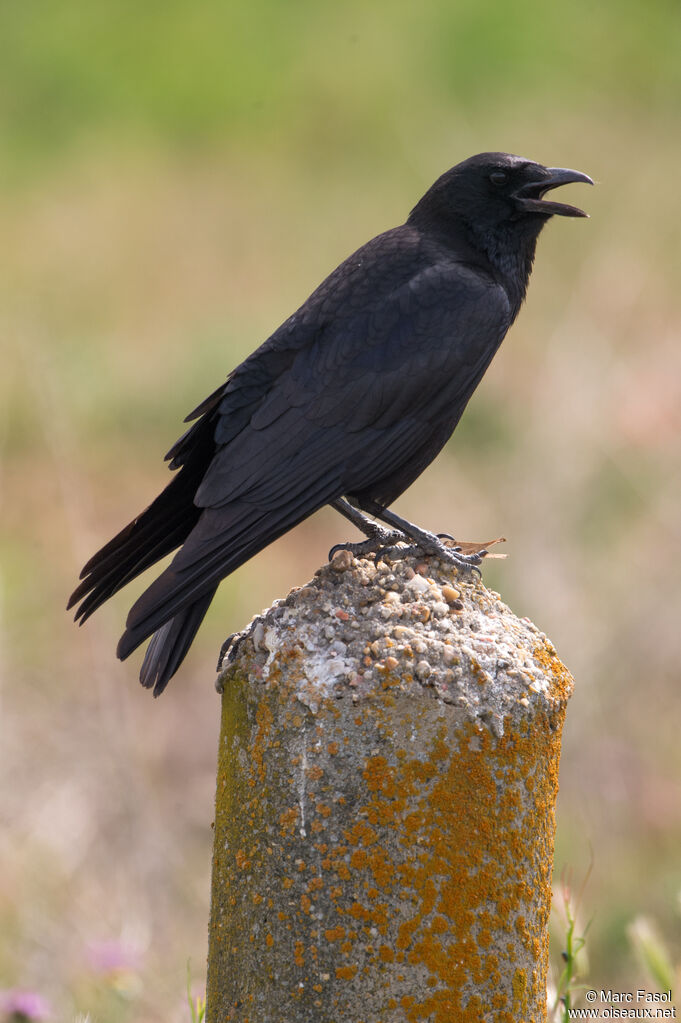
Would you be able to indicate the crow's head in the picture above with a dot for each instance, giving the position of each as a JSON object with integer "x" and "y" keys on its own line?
{"x": 496, "y": 190}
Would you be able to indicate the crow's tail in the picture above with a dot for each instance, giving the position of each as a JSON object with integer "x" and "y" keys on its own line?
{"x": 170, "y": 643}
{"x": 172, "y": 608}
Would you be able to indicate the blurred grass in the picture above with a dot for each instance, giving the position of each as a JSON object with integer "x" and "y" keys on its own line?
{"x": 175, "y": 179}
{"x": 191, "y": 72}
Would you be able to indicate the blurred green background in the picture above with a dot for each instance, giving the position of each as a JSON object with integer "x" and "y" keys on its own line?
{"x": 174, "y": 180}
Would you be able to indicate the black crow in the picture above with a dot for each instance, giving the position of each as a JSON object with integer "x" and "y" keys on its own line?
{"x": 345, "y": 404}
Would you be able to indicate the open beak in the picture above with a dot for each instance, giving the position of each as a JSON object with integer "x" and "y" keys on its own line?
{"x": 530, "y": 197}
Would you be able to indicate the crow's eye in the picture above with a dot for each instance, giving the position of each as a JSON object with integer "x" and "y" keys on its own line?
{"x": 498, "y": 177}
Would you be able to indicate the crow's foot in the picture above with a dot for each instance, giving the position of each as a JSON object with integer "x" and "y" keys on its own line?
{"x": 230, "y": 649}
{"x": 378, "y": 540}
{"x": 393, "y": 546}
{"x": 430, "y": 544}
{"x": 451, "y": 555}
{"x": 418, "y": 550}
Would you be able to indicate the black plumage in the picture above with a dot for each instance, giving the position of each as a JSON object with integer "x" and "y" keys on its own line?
{"x": 353, "y": 396}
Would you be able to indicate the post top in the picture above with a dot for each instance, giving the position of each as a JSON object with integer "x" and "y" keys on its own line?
{"x": 417, "y": 626}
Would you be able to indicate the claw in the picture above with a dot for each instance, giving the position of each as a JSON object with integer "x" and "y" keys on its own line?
{"x": 230, "y": 649}
{"x": 379, "y": 540}
{"x": 224, "y": 649}
{"x": 452, "y": 555}
{"x": 467, "y": 561}
{"x": 394, "y": 550}
{"x": 359, "y": 549}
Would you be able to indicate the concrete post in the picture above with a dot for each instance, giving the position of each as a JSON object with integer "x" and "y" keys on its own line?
{"x": 384, "y": 822}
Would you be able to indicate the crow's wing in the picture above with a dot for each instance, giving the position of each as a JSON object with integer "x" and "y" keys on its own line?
{"x": 365, "y": 392}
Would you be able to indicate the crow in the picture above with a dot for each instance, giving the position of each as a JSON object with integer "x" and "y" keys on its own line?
{"x": 345, "y": 404}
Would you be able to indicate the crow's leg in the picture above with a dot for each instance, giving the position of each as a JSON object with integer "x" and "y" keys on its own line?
{"x": 425, "y": 541}
{"x": 378, "y": 539}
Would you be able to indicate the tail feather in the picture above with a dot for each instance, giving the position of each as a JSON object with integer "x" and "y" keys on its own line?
{"x": 170, "y": 643}
{"x": 160, "y": 529}
{"x": 109, "y": 579}
{"x": 140, "y": 532}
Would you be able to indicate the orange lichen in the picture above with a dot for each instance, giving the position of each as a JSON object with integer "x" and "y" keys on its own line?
{"x": 358, "y": 911}
{"x": 358, "y": 859}
{"x": 563, "y": 682}
{"x": 345, "y": 972}
{"x": 520, "y": 992}
{"x": 242, "y": 861}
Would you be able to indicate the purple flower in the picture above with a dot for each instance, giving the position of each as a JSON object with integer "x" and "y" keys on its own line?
{"x": 106, "y": 957}
{"x": 18, "y": 1005}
